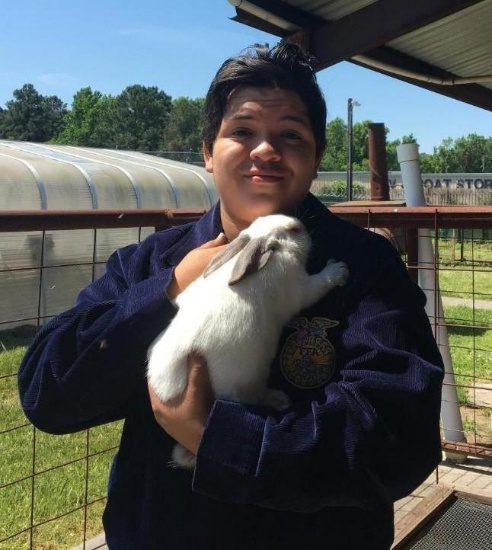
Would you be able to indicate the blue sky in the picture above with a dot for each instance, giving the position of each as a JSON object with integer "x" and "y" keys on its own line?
{"x": 60, "y": 46}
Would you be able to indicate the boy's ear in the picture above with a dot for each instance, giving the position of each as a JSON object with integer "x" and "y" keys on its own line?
{"x": 207, "y": 155}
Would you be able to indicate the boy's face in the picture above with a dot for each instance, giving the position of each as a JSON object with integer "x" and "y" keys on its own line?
{"x": 264, "y": 156}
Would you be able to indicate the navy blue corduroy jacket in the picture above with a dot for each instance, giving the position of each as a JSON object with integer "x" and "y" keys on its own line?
{"x": 361, "y": 367}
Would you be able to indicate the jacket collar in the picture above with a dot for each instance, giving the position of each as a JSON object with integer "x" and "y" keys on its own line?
{"x": 314, "y": 215}
{"x": 197, "y": 233}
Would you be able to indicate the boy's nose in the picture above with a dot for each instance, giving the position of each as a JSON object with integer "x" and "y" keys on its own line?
{"x": 265, "y": 149}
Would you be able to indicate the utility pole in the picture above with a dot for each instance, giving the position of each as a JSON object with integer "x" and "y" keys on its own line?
{"x": 350, "y": 107}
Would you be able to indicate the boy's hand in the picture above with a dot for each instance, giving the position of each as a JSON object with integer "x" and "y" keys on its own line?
{"x": 184, "y": 419}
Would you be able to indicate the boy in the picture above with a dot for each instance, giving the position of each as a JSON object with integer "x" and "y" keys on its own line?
{"x": 361, "y": 367}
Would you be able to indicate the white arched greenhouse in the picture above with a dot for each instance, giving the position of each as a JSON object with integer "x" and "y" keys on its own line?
{"x": 56, "y": 177}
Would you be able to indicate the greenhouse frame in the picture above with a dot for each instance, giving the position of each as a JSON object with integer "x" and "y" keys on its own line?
{"x": 64, "y": 178}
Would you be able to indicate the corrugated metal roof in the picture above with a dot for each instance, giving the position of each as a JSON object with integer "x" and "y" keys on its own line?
{"x": 333, "y": 9}
{"x": 455, "y": 43}
{"x": 430, "y": 43}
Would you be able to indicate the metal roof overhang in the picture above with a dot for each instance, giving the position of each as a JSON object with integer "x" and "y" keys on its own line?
{"x": 441, "y": 45}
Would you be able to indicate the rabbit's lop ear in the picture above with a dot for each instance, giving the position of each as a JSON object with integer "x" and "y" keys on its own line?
{"x": 254, "y": 256}
{"x": 229, "y": 252}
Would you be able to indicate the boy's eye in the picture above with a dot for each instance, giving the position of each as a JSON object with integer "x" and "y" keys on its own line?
{"x": 240, "y": 132}
{"x": 291, "y": 135}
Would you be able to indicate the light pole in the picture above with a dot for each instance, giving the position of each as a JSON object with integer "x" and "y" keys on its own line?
{"x": 350, "y": 107}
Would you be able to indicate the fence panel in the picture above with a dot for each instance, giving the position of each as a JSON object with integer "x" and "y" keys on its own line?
{"x": 52, "y": 488}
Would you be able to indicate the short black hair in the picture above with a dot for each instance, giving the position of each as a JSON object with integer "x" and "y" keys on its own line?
{"x": 284, "y": 66}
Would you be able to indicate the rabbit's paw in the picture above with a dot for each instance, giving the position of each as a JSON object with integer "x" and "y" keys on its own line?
{"x": 336, "y": 272}
{"x": 182, "y": 458}
{"x": 277, "y": 399}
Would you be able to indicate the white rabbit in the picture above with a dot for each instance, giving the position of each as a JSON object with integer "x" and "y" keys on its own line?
{"x": 233, "y": 315}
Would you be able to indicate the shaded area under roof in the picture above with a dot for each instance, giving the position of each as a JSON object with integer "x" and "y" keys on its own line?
{"x": 441, "y": 45}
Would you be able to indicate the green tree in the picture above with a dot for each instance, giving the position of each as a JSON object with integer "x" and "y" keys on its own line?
{"x": 140, "y": 116}
{"x": 428, "y": 163}
{"x": 31, "y": 116}
{"x": 2, "y": 116}
{"x": 473, "y": 153}
{"x": 391, "y": 153}
{"x": 445, "y": 160}
{"x": 183, "y": 131}
{"x": 360, "y": 149}
{"x": 335, "y": 155}
{"x": 89, "y": 121}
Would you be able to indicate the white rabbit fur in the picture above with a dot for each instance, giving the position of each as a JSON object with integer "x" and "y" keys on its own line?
{"x": 233, "y": 315}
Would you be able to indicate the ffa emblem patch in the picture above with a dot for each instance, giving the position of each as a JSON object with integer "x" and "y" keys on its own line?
{"x": 307, "y": 358}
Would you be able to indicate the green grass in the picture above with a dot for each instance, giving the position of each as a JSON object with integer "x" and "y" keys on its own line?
{"x": 470, "y": 341}
{"x": 471, "y": 330}
{"x": 460, "y": 282}
{"x": 465, "y": 270}
{"x": 452, "y": 251}
{"x": 69, "y": 471}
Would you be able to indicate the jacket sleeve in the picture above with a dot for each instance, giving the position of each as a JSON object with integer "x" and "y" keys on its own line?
{"x": 372, "y": 436}
{"x": 84, "y": 364}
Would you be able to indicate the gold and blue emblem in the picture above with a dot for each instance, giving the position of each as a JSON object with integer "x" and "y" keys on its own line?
{"x": 308, "y": 359}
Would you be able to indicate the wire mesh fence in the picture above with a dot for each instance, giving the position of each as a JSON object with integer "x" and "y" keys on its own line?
{"x": 52, "y": 488}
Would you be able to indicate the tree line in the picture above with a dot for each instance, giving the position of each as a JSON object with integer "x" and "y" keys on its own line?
{"x": 467, "y": 154}
{"x": 140, "y": 118}
{"x": 144, "y": 118}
